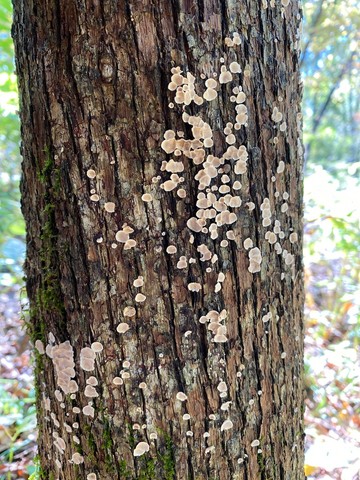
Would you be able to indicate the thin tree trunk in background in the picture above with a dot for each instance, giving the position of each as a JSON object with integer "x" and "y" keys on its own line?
{"x": 147, "y": 313}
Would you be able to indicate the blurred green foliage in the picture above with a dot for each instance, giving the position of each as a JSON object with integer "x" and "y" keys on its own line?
{"x": 330, "y": 65}
{"x": 12, "y": 229}
{"x": 331, "y": 107}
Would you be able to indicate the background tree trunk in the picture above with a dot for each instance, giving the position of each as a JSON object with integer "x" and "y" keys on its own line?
{"x": 93, "y": 80}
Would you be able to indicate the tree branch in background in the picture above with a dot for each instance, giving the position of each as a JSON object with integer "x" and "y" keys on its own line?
{"x": 314, "y": 22}
{"x": 319, "y": 116}
{"x": 346, "y": 67}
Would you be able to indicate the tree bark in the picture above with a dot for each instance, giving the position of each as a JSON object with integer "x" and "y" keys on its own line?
{"x": 95, "y": 106}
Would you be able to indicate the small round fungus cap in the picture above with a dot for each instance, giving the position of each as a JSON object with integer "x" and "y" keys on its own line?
{"x": 122, "y": 327}
{"x": 168, "y": 185}
{"x": 89, "y": 411}
{"x": 90, "y": 392}
{"x": 118, "y": 381}
{"x": 211, "y": 83}
{"x": 181, "y": 396}
{"x": 194, "y": 287}
{"x": 141, "y": 448}
{"x": 40, "y": 347}
{"x": 91, "y": 173}
{"x": 293, "y": 237}
{"x": 225, "y": 76}
{"x": 121, "y": 236}
{"x": 140, "y": 298}
{"x": 227, "y": 425}
{"x": 147, "y": 197}
{"x": 169, "y": 145}
{"x": 138, "y": 282}
{"x": 97, "y": 347}
{"x": 234, "y": 67}
{"x": 220, "y": 338}
{"x": 77, "y": 458}
{"x": 222, "y": 387}
{"x": 129, "y": 312}
{"x": 281, "y": 167}
{"x": 110, "y": 207}
{"x": 92, "y": 381}
{"x": 210, "y": 94}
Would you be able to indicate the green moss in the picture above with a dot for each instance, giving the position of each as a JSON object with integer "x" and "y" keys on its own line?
{"x": 124, "y": 473}
{"x": 108, "y": 443}
{"x": 108, "y": 446}
{"x": 150, "y": 468}
{"x": 48, "y": 295}
{"x": 147, "y": 469}
{"x": 260, "y": 461}
{"x": 45, "y": 172}
{"x": 167, "y": 459}
{"x": 48, "y": 298}
{"x": 91, "y": 453}
{"x": 131, "y": 438}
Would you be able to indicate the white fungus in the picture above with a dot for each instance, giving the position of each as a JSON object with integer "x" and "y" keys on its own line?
{"x": 293, "y": 237}
{"x": 225, "y": 76}
{"x": 90, "y": 392}
{"x": 129, "y": 312}
{"x": 147, "y": 197}
{"x": 141, "y": 448}
{"x": 281, "y": 167}
{"x": 89, "y": 411}
{"x": 91, "y": 173}
{"x": 39, "y": 347}
{"x": 96, "y": 347}
{"x": 122, "y": 327}
{"x": 138, "y": 282}
{"x": 140, "y": 298}
{"x": 210, "y": 94}
{"x": 234, "y": 67}
{"x": 118, "y": 381}
{"x": 222, "y": 387}
{"x": 181, "y": 396}
{"x": 227, "y": 425}
{"x": 194, "y": 287}
{"x": 248, "y": 243}
{"x": 109, "y": 207}
{"x": 87, "y": 359}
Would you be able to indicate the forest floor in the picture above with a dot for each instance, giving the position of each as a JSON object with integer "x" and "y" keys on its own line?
{"x": 332, "y": 423}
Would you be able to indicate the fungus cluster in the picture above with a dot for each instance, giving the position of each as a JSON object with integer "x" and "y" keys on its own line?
{"x": 217, "y": 209}
{"x": 62, "y": 356}
{"x": 213, "y": 320}
{"x": 255, "y": 260}
{"x": 87, "y": 359}
{"x": 123, "y": 236}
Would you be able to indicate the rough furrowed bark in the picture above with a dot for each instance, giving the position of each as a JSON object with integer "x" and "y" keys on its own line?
{"x": 162, "y": 195}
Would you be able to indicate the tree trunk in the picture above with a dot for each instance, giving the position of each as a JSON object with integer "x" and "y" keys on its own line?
{"x": 163, "y": 243}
